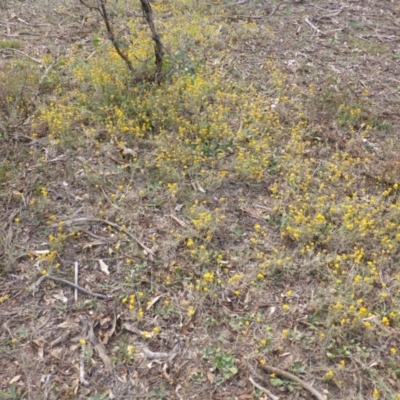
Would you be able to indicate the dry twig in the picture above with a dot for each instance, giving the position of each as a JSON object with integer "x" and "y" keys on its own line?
{"x": 242, "y": 17}
{"x": 263, "y": 389}
{"x": 273, "y": 370}
{"x": 316, "y": 29}
{"x": 76, "y": 280}
{"x": 82, "y": 379}
{"x": 99, "y": 347}
{"x": 114, "y": 225}
{"x": 80, "y": 288}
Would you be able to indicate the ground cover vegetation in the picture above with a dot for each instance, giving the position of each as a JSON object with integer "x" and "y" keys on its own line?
{"x": 242, "y": 211}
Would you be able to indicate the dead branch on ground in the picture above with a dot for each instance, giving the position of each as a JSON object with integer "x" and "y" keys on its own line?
{"x": 284, "y": 374}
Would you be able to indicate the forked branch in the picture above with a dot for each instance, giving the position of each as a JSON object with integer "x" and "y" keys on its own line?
{"x": 148, "y": 14}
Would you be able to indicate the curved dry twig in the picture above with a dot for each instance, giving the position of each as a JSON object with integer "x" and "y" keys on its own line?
{"x": 99, "y": 347}
{"x": 273, "y": 370}
{"x": 263, "y": 389}
{"x": 80, "y": 288}
{"x": 114, "y": 225}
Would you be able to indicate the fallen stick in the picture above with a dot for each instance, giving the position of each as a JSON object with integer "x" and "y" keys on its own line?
{"x": 242, "y": 17}
{"x": 316, "y": 29}
{"x": 120, "y": 228}
{"x": 263, "y": 389}
{"x": 82, "y": 367}
{"x": 80, "y": 288}
{"x": 113, "y": 224}
{"x": 76, "y": 280}
{"x": 288, "y": 375}
{"x": 99, "y": 347}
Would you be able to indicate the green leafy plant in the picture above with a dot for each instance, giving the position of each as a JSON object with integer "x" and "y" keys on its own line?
{"x": 222, "y": 363}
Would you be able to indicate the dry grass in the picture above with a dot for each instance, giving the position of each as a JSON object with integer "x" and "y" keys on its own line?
{"x": 245, "y": 211}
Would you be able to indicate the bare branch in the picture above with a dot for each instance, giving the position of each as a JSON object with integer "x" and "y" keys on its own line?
{"x": 103, "y": 12}
{"x": 273, "y": 370}
{"x": 158, "y": 46}
{"x": 148, "y": 13}
{"x": 263, "y": 389}
{"x": 81, "y": 289}
{"x": 111, "y": 36}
